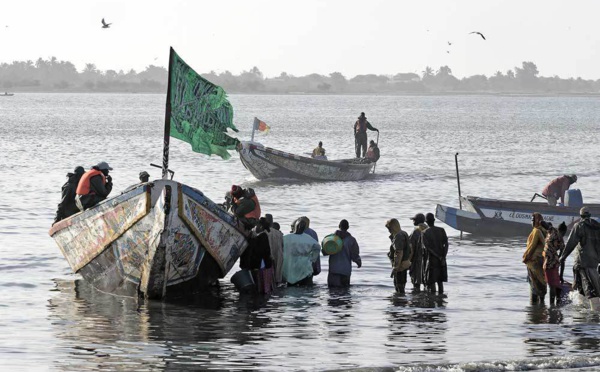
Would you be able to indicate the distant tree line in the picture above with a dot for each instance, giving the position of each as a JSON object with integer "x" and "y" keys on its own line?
{"x": 54, "y": 75}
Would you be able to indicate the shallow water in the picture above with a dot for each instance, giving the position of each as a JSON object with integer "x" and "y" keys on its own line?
{"x": 509, "y": 148}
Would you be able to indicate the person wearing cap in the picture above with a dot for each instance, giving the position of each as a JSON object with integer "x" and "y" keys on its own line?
{"x": 416, "y": 242}
{"x": 300, "y": 251}
{"x": 400, "y": 254}
{"x": 585, "y": 241}
{"x": 245, "y": 206}
{"x": 435, "y": 250}
{"x": 557, "y": 188}
{"x": 319, "y": 152}
{"x": 360, "y": 134}
{"x": 340, "y": 264}
{"x": 144, "y": 177}
{"x": 67, "y": 206}
{"x": 534, "y": 259}
{"x": 94, "y": 186}
{"x": 373, "y": 152}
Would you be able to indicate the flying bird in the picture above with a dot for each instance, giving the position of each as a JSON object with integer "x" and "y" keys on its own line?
{"x": 478, "y": 33}
{"x": 447, "y": 51}
{"x": 449, "y": 43}
{"x": 105, "y": 25}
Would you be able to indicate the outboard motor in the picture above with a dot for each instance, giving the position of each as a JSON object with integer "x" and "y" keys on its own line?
{"x": 573, "y": 198}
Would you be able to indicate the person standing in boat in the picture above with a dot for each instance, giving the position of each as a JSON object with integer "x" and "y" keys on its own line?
{"x": 94, "y": 186}
{"x": 435, "y": 250}
{"x": 300, "y": 251}
{"x": 557, "y": 188}
{"x": 319, "y": 152}
{"x": 399, "y": 254}
{"x": 340, "y": 264}
{"x": 533, "y": 258}
{"x": 67, "y": 206}
{"x": 373, "y": 152}
{"x": 585, "y": 240}
{"x": 416, "y": 242}
{"x": 552, "y": 249}
{"x": 245, "y": 206}
{"x": 360, "y": 135}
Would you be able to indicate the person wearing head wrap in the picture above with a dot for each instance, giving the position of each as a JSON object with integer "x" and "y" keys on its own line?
{"x": 399, "y": 254}
{"x": 340, "y": 264}
{"x": 245, "y": 206}
{"x": 435, "y": 250}
{"x": 553, "y": 247}
{"x": 533, "y": 258}
{"x": 557, "y": 188}
{"x": 257, "y": 257}
{"x": 276, "y": 245}
{"x": 300, "y": 251}
{"x": 94, "y": 186}
{"x": 67, "y": 206}
{"x": 416, "y": 242}
{"x": 360, "y": 134}
{"x": 585, "y": 240}
{"x": 313, "y": 234}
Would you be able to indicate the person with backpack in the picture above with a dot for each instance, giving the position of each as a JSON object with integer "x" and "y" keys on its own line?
{"x": 399, "y": 254}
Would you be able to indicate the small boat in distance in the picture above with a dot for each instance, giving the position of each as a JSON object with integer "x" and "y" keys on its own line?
{"x": 494, "y": 217}
{"x": 6, "y": 94}
{"x": 267, "y": 163}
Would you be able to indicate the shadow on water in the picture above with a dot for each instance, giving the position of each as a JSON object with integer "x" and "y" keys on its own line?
{"x": 95, "y": 328}
{"x": 416, "y": 323}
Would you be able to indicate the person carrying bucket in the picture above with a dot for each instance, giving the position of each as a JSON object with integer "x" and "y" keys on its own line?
{"x": 342, "y": 249}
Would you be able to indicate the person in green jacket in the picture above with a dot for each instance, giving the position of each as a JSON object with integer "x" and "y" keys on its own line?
{"x": 399, "y": 254}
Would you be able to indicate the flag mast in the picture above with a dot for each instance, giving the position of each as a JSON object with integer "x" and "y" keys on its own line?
{"x": 167, "y": 134}
{"x": 254, "y": 128}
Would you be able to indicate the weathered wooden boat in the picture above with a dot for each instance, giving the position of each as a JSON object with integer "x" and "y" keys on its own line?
{"x": 6, "y": 94}
{"x": 495, "y": 217}
{"x": 162, "y": 239}
{"x": 265, "y": 163}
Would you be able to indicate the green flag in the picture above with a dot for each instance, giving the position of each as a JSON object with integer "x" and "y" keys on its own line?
{"x": 200, "y": 112}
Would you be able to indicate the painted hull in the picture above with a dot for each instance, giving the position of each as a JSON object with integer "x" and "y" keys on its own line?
{"x": 494, "y": 217}
{"x": 159, "y": 240}
{"x": 267, "y": 163}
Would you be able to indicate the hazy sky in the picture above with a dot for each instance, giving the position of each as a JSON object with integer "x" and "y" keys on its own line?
{"x": 301, "y": 37}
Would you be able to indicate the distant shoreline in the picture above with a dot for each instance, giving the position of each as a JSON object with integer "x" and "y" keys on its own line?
{"x": 390, "y": 94}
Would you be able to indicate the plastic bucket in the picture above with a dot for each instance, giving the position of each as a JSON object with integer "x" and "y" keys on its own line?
{"x": 331, "y": 244}
{"x": 243, "y": 281}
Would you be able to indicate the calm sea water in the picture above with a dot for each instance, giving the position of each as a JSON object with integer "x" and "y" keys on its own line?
{"x": 50, "y": 319}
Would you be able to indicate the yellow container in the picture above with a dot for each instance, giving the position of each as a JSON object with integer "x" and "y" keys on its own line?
{"x": 331, "y": 244}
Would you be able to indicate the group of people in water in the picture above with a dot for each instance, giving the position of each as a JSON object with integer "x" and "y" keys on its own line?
{"x": 274, "y": 259}
{"x": 546, "y": 251}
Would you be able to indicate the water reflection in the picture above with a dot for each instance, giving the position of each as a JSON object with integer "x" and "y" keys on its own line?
{"x": 339, "y": 320}
{"x": 416, "y": 325}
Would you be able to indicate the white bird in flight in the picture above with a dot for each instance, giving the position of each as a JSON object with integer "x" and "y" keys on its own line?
{"x": 105, "y": 25}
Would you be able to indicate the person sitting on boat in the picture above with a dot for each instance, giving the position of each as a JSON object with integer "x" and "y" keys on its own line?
{"x": 67, "y": 206}
{"x": 557, "y": 188}
{"x": 360, "y": 134}
{"x": 300, "y": 251}
{"x": 399, "y": 254}
{"x": 245, "y": 206}
{"x": 585, "y": 240}
{"x": 373, "y": 152}
{"x": 552, "y": 249}
{"x": 144, "y": 178}
{"x": 533, "y": 258}
{"x": 94, "y": 186}
{"x": 319, "y": 152}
